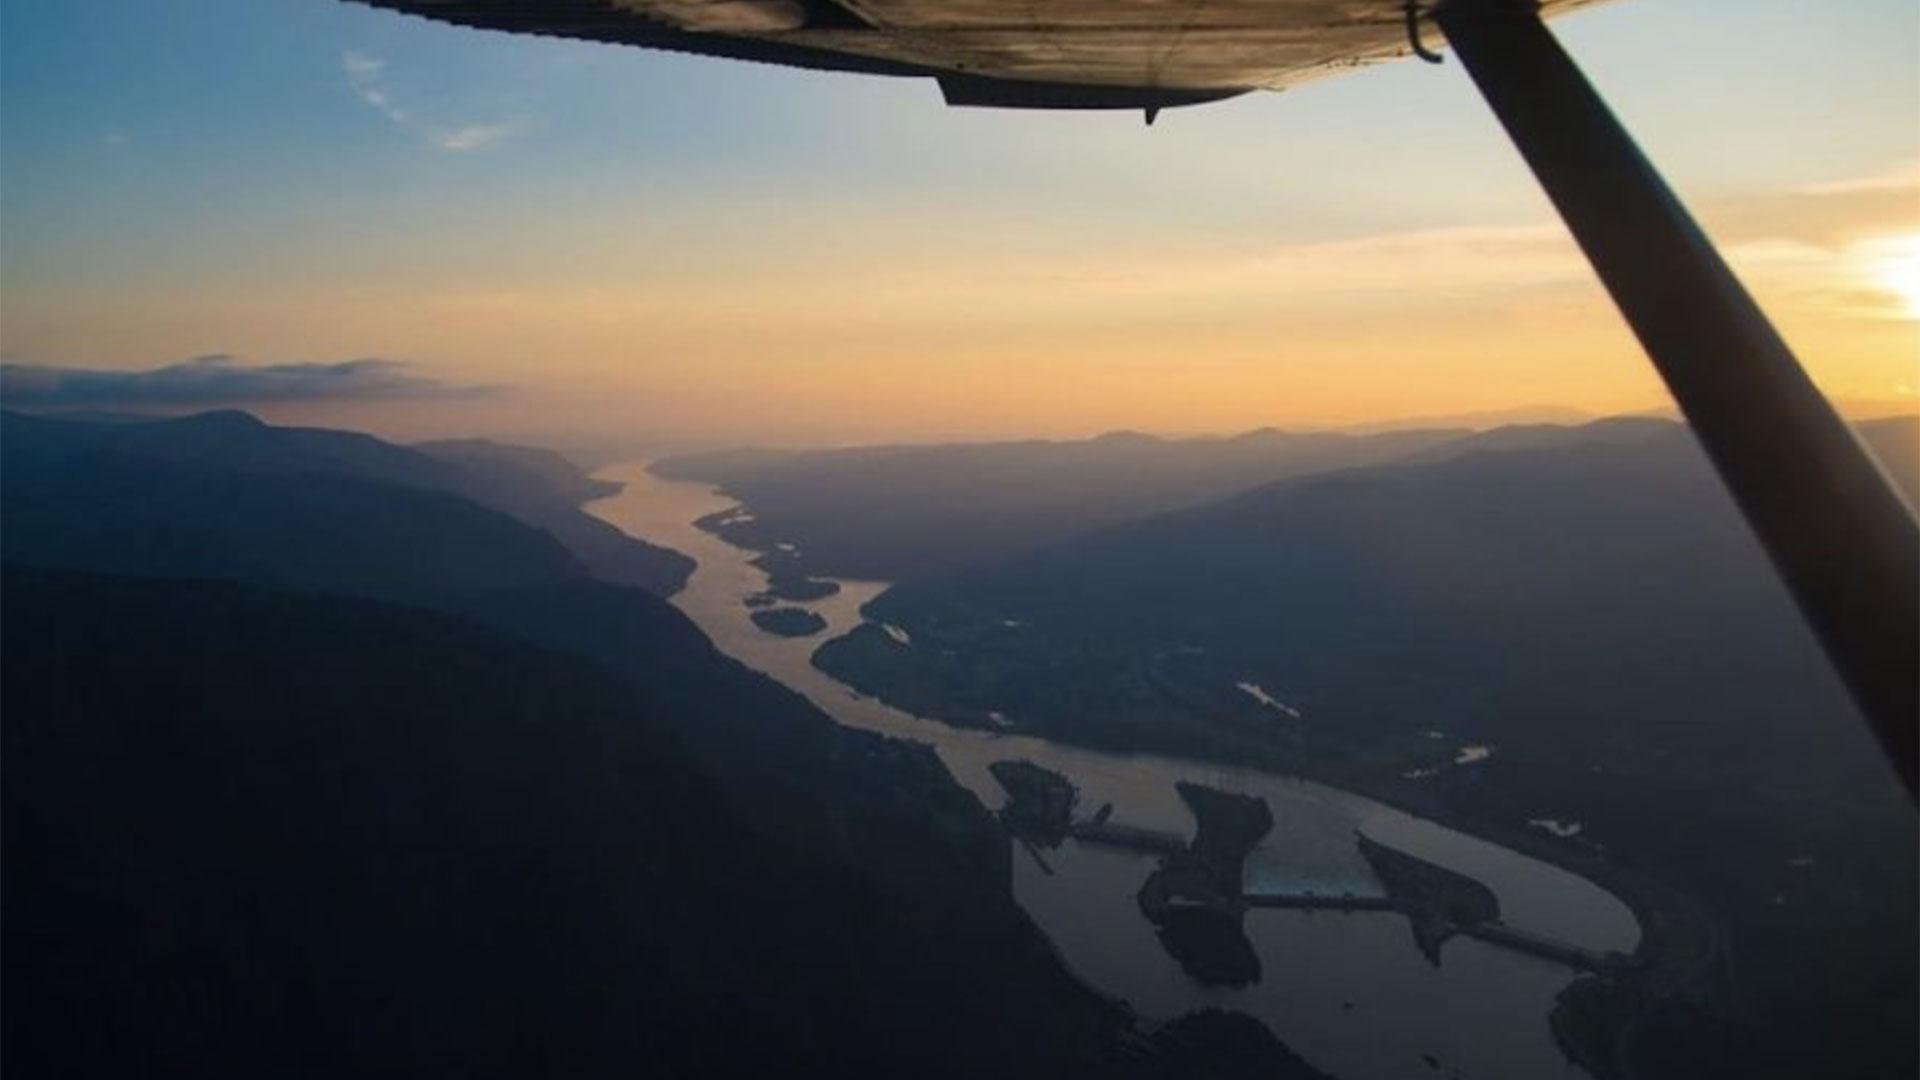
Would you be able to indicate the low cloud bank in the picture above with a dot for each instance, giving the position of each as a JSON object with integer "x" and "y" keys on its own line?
{"x": 222, "y": 380}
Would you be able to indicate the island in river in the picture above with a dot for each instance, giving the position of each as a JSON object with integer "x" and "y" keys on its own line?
{"x": 789, "y": 621}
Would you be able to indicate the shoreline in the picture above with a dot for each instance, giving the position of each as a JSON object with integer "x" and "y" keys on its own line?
{"x": 1652, "y": 905}
{"x": 1679, "y": 940}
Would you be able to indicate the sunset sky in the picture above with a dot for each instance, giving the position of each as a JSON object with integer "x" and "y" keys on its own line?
{"x": 569, "y": 242}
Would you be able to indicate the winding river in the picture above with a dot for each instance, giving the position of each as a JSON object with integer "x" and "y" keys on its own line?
{"x": 1349, "y": 992}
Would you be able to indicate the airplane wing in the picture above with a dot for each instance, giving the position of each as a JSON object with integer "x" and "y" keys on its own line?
{"x": 1061, "y": 54}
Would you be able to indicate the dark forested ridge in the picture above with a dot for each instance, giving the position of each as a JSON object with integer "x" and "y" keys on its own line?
{"x": 258, "y": 833}
{"x": 895, "y": 513}
{"x": 1598, "y": 596}
{"x": 252, "y": 833}
{"x": 104, "y": 468}
{"x": 547, "y": 490}
{"x": 1588, "y": 603}
{"x": 530, "y": 824}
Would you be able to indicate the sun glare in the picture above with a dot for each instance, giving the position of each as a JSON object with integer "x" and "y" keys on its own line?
{"x": 1897, "y": 267}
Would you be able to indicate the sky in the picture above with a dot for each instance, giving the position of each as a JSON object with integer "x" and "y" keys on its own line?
{"x": 332, "y": 214}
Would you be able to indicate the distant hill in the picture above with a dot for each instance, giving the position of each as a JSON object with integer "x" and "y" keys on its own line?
{"x": 1478, "y": 421}
{"x": 227, "y": 440}
{"x": 1583, "y": 607}
{"x": 243, "y": 458}
{"x": 222, "y": 495}
{"x": 899, "y": 513}
{"x": 907, "y": 513}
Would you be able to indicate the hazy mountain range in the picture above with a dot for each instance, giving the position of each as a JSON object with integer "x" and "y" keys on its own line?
{"x": 895, "y": 513}
{"x": 1465, "y": 587}
{"x": 900, "y": 513}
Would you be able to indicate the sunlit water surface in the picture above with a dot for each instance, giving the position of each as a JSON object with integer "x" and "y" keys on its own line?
{"x": 1349, "y": 992}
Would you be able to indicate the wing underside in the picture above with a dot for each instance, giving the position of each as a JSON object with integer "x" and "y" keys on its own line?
{"x": 1021, "y": 53}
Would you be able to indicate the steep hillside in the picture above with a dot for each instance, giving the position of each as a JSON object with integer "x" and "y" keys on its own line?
{"x": 45, "y": 457}
{"x": 898, "y": 513}
{"x": 545, "y": 489}
{"x": 251, "y": 833}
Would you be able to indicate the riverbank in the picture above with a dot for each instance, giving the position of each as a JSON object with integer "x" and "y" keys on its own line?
{"x": 1680, "y": 942}
{"x": 1348, "y": 992}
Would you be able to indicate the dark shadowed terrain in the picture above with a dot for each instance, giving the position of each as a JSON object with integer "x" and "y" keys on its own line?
{"x": 260, "y": 820}
{"x": 1586, "y": 603}
{"x": 1552, "y": 590}
{"x": 894, "y": 513}
{"x": 231, "y": 455}
{"x": 544, "y": 489}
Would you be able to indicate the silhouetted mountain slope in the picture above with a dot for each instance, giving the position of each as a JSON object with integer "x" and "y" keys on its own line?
{"x": 314, "y": 531}
{"x": 332, "y": 533}
{"x": 506, "y": 473}
{"x": 234, "y": 450}
{"x": 226, "y": 440}
{"x": 250, "y": 833}
{"x": 257, "y": 834}
{"x": 907, "y": 512}
{"x": 895, "y": 945}
{"x": 1613, "y": 431}
{"x": 1601, "y": 596}
{"x": 123, "y": 514}
{"x": 544, "y": 488}
{"x": 1592, "y": 609}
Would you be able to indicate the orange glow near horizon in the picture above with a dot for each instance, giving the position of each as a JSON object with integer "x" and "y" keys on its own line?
{"x": 880, "y": 346}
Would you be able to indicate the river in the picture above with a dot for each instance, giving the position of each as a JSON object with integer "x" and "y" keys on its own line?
{"x": 1349, "y": 992}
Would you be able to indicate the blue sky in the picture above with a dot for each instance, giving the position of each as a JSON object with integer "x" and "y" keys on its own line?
{"x": 288, "y": 179}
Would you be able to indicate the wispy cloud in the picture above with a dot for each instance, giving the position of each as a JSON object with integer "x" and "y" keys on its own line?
{"x": 1849, "y": 248}
{"x": 1904, "y": 176}
{"x": 222, "y": 380}
{"x": 365, "y": 75}
{"x": 472, "y": 136}
{"x": 1833, "y": 248}
{"x": 367, "y": 78}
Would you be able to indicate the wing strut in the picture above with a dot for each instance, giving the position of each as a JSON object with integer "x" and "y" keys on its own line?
{"x": 1842, "y": 539}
